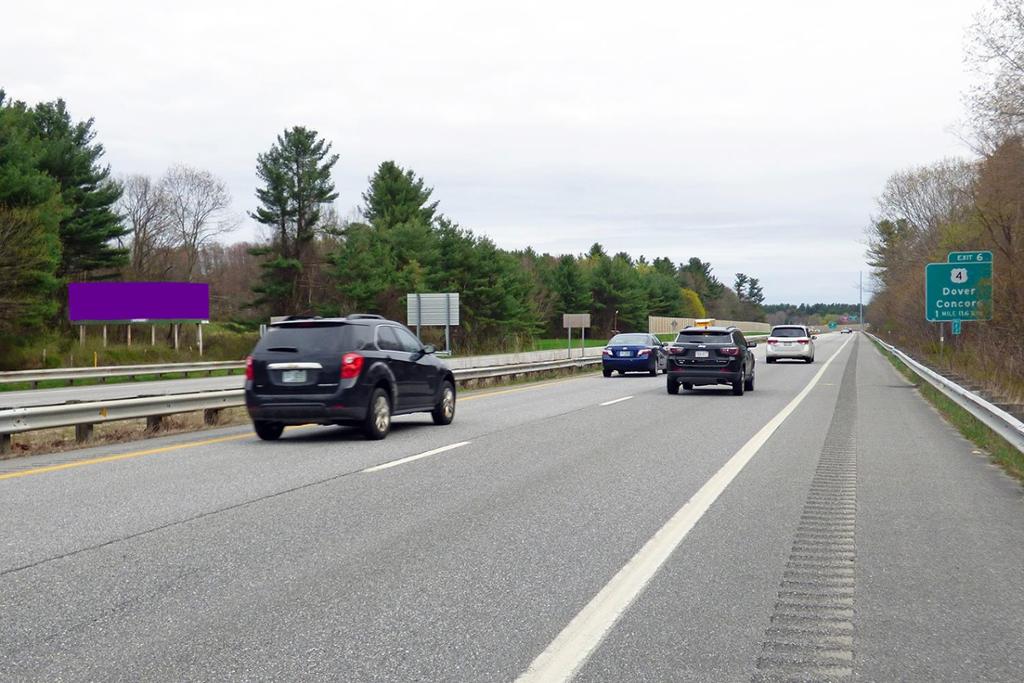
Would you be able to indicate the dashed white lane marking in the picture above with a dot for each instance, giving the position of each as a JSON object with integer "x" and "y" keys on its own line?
{"x": 573, "y": 646}
{"x": 411, "y": 458}
{"x": 618, "y": 400}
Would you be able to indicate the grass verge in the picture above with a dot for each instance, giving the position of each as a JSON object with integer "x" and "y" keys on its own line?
{"x": 998, "y": 449}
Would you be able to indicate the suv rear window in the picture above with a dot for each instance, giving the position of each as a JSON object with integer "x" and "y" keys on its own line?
{"x": 704, "y": 337}
{"x": 788, "y": 332}
{"x": 309, "y": 338}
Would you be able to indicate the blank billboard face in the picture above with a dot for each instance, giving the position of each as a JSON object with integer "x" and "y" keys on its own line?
{"x": 137, "y": 301}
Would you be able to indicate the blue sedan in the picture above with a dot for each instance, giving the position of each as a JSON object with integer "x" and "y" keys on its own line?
{"x": 633, "y": 353}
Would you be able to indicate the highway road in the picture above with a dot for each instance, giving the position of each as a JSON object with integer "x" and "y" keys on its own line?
{"x": 827, "y": 526}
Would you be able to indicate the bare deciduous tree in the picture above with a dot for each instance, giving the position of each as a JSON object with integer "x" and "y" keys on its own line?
{"x": 198, "y": 205}
{"x": 145, "y": 209}
{"x": 996, "y": 51}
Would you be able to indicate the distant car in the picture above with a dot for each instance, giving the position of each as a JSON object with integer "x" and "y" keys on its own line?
{"x": 846, "y": 330}
{"x": 359, "y": 370}
{"x": 702, "y": 356}
{"x": 790, "y": 341}
{"x": 634, "y": 352}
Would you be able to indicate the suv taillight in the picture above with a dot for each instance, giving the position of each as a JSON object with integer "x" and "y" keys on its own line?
{"x": 249, "y": 373}
{"x": 351, "y": 365}
{"x": 803, "y": 341}
{"x": 730, "y": 351}
{"x": 773, "y": 340}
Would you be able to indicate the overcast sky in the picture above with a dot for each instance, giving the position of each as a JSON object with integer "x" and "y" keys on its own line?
{"x": 752, "y": 134}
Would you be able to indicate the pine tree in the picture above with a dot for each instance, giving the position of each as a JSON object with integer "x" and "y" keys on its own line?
{"x": 90, "y": 226}
{"x": 397, "y": 196}
{"x": 30, "y": 213}
{"x": 296, "y": 177}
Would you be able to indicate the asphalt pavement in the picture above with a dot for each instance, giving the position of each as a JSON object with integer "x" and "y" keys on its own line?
{"x": 828, "y": 525}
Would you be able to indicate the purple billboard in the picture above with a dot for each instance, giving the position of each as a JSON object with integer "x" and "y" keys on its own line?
{"x": 138, "y": 301}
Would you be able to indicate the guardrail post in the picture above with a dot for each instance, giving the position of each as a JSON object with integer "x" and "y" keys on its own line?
{"x": 5, "y": 444}
{"x": 211, "y": 416}
{"x": 154, "y": 422}
{"x": 83, "y": 432}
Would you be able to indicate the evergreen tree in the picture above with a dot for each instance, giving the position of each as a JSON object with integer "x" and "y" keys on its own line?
{"x": 30, "y": 214}
{"x": 397, "y": 196}
{"x": 90, "y": 226}
{"x": 296, "y": 177}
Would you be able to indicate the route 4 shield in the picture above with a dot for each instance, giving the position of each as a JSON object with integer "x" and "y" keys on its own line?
{"x": 958, "y": 291}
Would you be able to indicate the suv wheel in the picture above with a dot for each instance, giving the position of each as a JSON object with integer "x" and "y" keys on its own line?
{"x": 673, "y": 386}
{"x": 268, "y": 431}
{"x": 378, "y": 416}
{"x": 737, "y": 387}
{"x": 444, "y": 411}
{"x": 749, "y": 384}
{"x": 607, "y": 372}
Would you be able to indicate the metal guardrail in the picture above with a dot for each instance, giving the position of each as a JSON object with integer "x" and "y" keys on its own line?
{"x": 83, "y": 415}
{"x": 104, "y": 371}
{"x": 992, "y": 416}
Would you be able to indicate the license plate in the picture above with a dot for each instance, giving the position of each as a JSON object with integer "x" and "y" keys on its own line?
{"x": 787, "y": 343}
{"x": 625, "y": 353}
{"x": 293, "y": 376}
{"x": 700, "y": 354}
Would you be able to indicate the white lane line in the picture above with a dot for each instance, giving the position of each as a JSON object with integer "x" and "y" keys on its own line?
{"x": 402, "y": 461}
{"x": 618, "y": 400}
{"x": 574, "y": 645}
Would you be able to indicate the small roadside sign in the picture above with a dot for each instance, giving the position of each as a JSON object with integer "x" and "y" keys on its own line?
{"x": 833, "y": 325}
{"x": 958, "y": 291}
{"x": 969, "y": 257}
{"x": 956, "y": 327}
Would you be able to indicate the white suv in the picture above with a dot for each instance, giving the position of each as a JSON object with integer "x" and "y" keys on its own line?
{"x": 790, "y": 341}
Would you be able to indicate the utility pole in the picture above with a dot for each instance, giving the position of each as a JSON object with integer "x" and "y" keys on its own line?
{"x": 861, "y": 303}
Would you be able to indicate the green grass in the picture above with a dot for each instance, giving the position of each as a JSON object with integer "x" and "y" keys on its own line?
{"x": 999, "y": 449}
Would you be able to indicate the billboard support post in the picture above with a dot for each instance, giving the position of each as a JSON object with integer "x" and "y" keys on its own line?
{"x": 129, "y": 326}
{"x": 81, "y": 335}
{"x": 152, "y": 335}
{"x": 174, "y": 326}
{"x": 199, "y": 338}
{"x": 104, "y": 336}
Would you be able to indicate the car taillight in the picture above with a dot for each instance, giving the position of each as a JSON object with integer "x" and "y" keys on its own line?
{"x": 644, "y": 352}
{"x": 672, "y": 350}
{"x": 773, "y": 340}
{"x": 803, "y": 341}
{"x": 730, "y": 351}
{"x": 351, "y": 365}
{"x": 249, "y": 373}
{"x": 606, "y": 351}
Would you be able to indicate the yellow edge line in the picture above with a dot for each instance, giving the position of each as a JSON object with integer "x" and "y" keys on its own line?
{"x": 122, "y": 456}
{"x": 221, "y": 439}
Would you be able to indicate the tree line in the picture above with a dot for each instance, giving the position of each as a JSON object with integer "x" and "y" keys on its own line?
{"x": 64, "y": 217}
{"x": 963, "y": 204}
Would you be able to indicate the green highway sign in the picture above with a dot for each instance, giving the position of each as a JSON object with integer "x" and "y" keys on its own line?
{"x": 958, "y": 291}
{"x": 969, "y": 257}
{"x": 833, "y": 325}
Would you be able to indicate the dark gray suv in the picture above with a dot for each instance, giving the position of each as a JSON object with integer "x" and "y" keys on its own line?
{"x": 710, "y": 355}
{"x": 358, "y": 370}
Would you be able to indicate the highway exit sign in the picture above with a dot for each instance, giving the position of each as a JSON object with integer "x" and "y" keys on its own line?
{"x": 970, "y": 257}
{"x": 958, "y": 291}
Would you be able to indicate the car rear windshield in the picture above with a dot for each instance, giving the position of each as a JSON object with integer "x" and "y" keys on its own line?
{"x": 317, "y": 338}
{"x": 789, "y": 332}
{"x": 633, "y": 339}
{"x": 704, "y": 337}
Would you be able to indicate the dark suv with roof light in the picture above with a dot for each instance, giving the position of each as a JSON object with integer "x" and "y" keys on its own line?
{"x": 710, "y": 355}
{"x": 359, "y": 370}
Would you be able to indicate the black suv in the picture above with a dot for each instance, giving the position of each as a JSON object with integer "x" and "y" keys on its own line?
{"x": 710, "y": 355}
{"x": 358, "y": 370}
